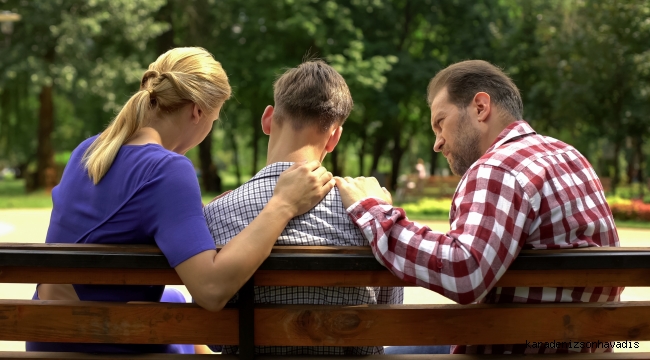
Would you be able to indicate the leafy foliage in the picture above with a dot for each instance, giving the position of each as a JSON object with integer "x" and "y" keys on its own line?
{"x": 582, "y": 68}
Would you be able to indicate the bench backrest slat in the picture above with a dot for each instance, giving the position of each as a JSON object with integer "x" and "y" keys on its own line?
{"x": 319, "y": 258}
{"x": 98, "y": 276}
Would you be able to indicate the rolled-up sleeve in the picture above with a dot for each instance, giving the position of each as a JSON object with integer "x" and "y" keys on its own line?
{"x": 489, "y": 217}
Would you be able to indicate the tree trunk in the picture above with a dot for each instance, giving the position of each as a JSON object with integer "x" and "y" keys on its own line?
{"x": 210, "y": 178}
{"x": 631, "y": 163}
{"x": 640, "y": 167}
{"x": 45, "y": 171}
{"x": 377, "y": 151}
{"x": 434, "y": 161}
{"x": 5, "y": 103}
{"x": 617, "y": 166}
{"x": 255, "y": 144}
{"x": 362, "y": 154}
{"x": 165, "y": 41}
{"x": 396, "y": 158}
{"x": 334, "y": 156}
{"x": 235, "y": 154}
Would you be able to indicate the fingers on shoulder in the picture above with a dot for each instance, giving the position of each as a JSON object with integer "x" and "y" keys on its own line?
{"x": 328, "y": 186}
{"x": 310, "y": 166}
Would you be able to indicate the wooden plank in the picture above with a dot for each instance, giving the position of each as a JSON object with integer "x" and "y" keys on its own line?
{"x": 108, "y": 248}
{"x": 307, "y": 325}
{"x": 576, "y": 278}
{"x": 612, "y": 250}
{"x": 577, "y": 259}
{"x": 363, "y": 325}
{"x": 297, "y": 258}
{"x": 151, "y": 249}
{"x": 327, "y": 278}
{"x": 102, "y": 322}
{"x": 37, "y": 355}
{"x": 280, "y": 249}
{"x": 512, "y": 278}
{"x": 90, "y": 276}
{"x": 80, "y": 356}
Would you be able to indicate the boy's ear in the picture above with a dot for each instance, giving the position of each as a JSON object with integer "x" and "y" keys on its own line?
{"x": 267, "y": 119}
{"x": 335, "y": 136}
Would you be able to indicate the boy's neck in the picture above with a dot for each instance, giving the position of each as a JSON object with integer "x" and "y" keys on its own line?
{"x": 288, "y": 145}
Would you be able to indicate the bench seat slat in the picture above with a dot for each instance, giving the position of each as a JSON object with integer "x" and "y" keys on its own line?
{"x": 80, "y": 356}
{"x": 83, "y": 356}
{"x": 364, "y": 325}
{"x": 104, "y": 322}
{"x": 312, "y": 325}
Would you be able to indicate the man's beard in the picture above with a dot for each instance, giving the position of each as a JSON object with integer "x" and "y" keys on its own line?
{"x": 466, "y": 151}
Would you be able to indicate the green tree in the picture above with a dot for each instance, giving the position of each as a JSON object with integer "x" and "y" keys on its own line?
{"x": 83, "y": 49}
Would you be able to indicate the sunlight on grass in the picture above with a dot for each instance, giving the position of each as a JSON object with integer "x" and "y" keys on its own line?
{"x": 13, "y": 196}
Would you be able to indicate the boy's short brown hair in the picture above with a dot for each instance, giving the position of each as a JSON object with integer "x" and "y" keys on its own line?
{"x": 312, "y": 94}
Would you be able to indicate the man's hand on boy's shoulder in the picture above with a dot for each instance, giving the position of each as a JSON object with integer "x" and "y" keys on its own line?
{"x": 353, "y": 190}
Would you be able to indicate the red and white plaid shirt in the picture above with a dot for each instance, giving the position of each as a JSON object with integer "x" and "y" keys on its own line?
{"x": 528, "y": 191}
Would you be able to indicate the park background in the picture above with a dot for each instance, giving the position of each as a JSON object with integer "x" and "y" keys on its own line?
{"x": 582, "y": 66}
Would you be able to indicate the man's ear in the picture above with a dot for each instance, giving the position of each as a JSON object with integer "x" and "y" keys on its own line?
{"x": 482, "y": 105}
{"x": 267, "y": 119}
{"x": 335, "y": 136}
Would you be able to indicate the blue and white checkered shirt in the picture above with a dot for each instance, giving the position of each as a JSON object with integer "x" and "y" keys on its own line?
{"x": 326, "y": 224}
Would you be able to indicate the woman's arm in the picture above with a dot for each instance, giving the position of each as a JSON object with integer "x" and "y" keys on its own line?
{"x": 213, "y": 278}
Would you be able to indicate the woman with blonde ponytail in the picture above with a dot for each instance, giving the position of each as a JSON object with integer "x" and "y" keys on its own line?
{"x": 131, "y": 184}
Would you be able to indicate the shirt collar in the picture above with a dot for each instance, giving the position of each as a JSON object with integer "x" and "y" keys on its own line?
{"x": 512, "y": 131}
{"x": 272, "y": 170}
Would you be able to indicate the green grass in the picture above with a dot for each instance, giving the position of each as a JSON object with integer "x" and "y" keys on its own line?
{"x": 632, "y": 224}
{"x": 13, "y": 196}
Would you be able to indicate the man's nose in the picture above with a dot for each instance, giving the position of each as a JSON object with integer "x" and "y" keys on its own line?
{"x": 437, "y": 146}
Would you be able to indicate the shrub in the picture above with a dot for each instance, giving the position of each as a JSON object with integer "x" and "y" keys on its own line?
{"x": 635, "y": 210}
{"x": 622, "y": 209}
{"x": 428, "y": 207}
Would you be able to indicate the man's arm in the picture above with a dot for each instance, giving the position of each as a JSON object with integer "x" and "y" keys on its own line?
{"x": 489, "y": 222}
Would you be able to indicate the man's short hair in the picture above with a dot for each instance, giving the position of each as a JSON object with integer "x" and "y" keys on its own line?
{"x": 466, "y": 78}
{"x": 312, "y": 94}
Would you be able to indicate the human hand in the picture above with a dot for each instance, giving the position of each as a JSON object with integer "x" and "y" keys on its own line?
{"x": 353, "y": 190}
{"x": 302, "y": 186}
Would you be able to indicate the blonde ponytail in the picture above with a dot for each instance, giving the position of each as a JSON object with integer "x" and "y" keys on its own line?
{"x": 178, "y": 77}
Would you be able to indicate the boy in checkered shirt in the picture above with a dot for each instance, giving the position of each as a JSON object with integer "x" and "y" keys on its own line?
{"x": 312, "y": 101}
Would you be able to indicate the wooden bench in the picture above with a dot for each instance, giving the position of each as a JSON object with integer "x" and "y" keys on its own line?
{"x": 313, "y": 325}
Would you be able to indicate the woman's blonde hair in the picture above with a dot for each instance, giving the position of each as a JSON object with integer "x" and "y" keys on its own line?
{"x": 178, "y": 77}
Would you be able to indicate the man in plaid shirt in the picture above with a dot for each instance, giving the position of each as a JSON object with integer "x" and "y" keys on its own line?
{"x": 518, "y": 190}
{"x": 311, "y": 103}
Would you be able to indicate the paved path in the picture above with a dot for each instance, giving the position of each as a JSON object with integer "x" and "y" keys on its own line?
{"x": 31, "y": 226}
